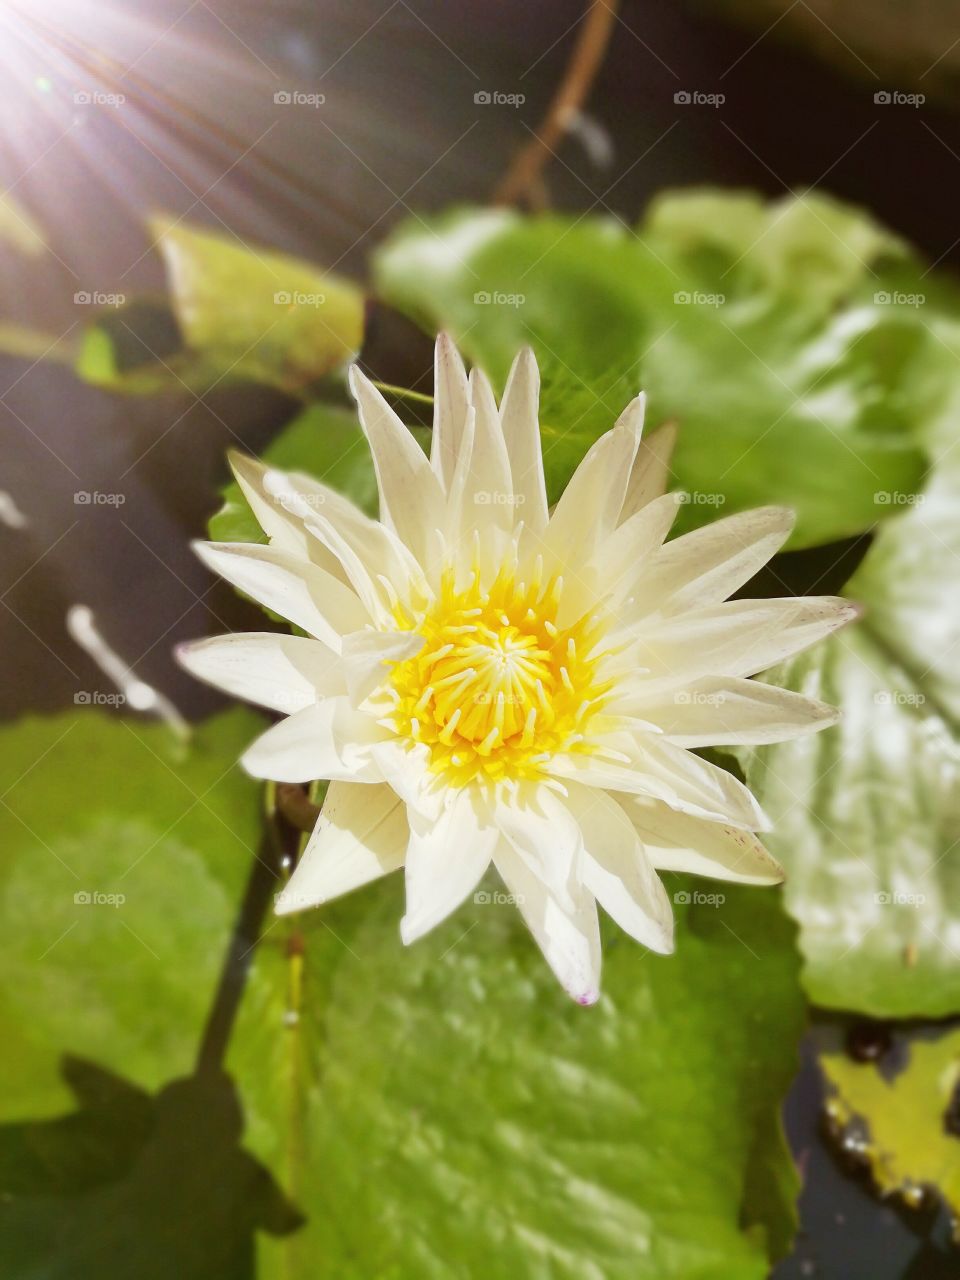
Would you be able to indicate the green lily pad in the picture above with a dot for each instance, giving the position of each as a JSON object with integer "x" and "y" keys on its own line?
{"x": 899, "y": 1118}
{"x": 761, "y": 330}
{"x": 445, "y": 1110}
{"x": 235, "y": 313}
{"x": 867, "y": 816}
{"x": 124, "y": 858}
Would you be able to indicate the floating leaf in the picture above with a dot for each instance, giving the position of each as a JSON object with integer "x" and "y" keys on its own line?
{"x": 763, "y": 334}
{"x": 444, "y": 1110}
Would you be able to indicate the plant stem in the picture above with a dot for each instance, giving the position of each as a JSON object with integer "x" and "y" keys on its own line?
{"x": 403, "y": 392}
{"x": 523, "y": 181}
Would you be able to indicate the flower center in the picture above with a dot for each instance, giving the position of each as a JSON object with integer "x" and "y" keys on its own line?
{"x": 497, "y": 687}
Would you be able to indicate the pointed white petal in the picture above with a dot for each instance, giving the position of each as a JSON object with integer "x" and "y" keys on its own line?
{"x": 650, "y": 476}
{"x": 587, "y": 512}
{"x": 737, "y": 638}
{"x": 329, "y": 740}
{"x": 569, "y": 938}
{"x": 678, "y": 842}
{"x": 659, "y": 770}
{"x": 361, "y": 834}
{"x": 451, "y": 400}
{"x": 609, "y": 575}
{"x": 489, "y": 488}
{"x": 544, "y": 834}
{"x": 618, "y": 872}
{"x": 521, "y": 433}
{"x": 282, "y": 528}
{"x": 285, "y": 673}
{"x": 708, "y": 565}
{"x": 303, "y": 593}
{"x": 368, "y": 657}
{"x": 720, "y": 711}
{"x": 411, "y": 499}
{"x": 445, "y": 862}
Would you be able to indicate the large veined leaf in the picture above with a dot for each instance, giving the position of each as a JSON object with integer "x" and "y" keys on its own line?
{"x": 777, "y": 338}
{"x": 124, "y": 859}
{"x": 444, "y": 1110}
{"x": 867, "y": 816}
{"x": 235, "y": 313}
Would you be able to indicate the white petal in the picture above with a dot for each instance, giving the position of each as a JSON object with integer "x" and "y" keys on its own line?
{"x": 451, "y": 400}
{"x": 369, "y": 655}
{"x": 708, "y": 565}
{"x": 661, "y": 771}
{"x": 277, "y": 499}
{"x": 720, "y": 711}
{"x": 587, "y": 512}
{"x": 445, "y": 862}
{"x": 411, "y": 499}
{"x": 650, "y": 476}
{"x": 361, "y": 834}
{"x": 544, "y": 834}
{"x": 615, "y": 563}
{"x": 678, "y": 842}
{"x": 378, "y": 548}
{"x": 619, "y": 873}
{"x": 329, "y": 740}
{"x": 282, "y": 528}
{"x": 568, "y": 938}
{"x": 489, "y": 488}
{"x": 303, "y": 593}
{"x": 285, "y": 673}
{"x": 738, "y": 638}
{"x": 521, "y": 433}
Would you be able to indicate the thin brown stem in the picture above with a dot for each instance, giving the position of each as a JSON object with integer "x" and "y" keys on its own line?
{"x": 523, "y": 181}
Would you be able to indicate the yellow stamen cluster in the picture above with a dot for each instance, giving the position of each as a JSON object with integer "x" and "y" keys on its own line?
{"x": 498, "y": 687}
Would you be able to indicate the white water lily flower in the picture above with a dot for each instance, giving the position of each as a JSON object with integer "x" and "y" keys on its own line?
{"x": 486, "y": 681}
